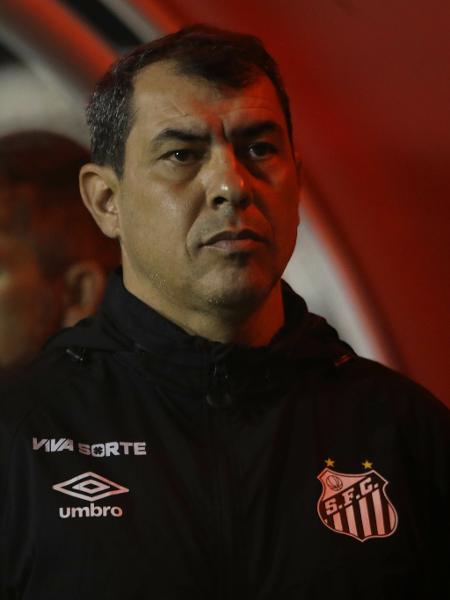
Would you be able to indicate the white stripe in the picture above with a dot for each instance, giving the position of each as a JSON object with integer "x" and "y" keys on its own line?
{"x": 337, "y": 521}
{"x": 378, "y": 511}
{"x": 392, "y": 518}
{"x": 351, "y": 520}
{"x": 365, "y": 517}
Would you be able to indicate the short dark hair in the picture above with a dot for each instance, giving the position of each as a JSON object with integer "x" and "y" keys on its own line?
{"x": 224, "y": 58}
{"x": 40, "y": 201}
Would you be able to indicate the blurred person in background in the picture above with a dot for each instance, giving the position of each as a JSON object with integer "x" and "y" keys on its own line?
{"x": 53, "y": 259}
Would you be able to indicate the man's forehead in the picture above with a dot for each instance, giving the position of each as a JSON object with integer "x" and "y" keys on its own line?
{"x": 162, "y": 94}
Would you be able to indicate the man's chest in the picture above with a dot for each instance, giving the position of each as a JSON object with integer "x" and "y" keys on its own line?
{"x": 146, "y": 494}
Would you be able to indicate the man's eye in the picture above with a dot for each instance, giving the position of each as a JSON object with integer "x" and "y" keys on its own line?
{"x": 185, "y": 156}
{"x": 261, "y": 150}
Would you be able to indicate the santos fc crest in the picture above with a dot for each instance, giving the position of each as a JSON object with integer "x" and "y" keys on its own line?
{"x": 356, "y": 504}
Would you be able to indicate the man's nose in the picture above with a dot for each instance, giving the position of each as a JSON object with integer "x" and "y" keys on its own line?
{"x": 227, "y": 181}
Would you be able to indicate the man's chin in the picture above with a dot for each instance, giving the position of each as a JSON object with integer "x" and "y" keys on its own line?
{"x": 238, "y": 295}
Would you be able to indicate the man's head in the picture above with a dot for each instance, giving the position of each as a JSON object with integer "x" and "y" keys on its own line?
{"x": 223, "y": 58}
{"x": 192, "y": 147}
{"x": 53, "y": 259}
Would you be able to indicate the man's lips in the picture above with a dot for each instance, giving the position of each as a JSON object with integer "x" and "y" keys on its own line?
{"x": 234, "y": 240}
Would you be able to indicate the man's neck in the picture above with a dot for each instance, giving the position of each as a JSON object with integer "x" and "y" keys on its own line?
{"x": 255, "y": 327}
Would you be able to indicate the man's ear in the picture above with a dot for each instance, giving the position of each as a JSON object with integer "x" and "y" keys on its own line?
{"x": 99, "y": 187}
{"x": 84, "y": 284}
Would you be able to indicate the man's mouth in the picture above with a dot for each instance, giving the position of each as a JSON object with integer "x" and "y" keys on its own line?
{"x": 235, "y": 241}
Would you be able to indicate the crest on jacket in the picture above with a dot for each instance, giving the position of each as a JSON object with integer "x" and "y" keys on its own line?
{"x": 356, "y": 504}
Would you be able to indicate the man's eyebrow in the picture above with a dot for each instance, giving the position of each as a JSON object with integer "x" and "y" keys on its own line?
{"x": 255, "y": 129}
{"x": 186, "y": 135}
{"x": 180, "y": 135}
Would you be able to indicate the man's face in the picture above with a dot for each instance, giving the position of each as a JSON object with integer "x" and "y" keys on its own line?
{"x": 27, "y": 305}
{"x": 208, "y": 202}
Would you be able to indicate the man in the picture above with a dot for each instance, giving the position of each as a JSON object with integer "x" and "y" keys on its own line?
{"x": 53, "y": 260}
{"x": 205, "y": 436}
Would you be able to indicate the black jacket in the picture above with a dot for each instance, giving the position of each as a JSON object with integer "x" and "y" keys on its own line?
{"x": 138, "y": 462}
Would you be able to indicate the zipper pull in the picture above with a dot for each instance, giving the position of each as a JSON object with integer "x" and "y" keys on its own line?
{"x": 77, "y": 354}
{"x": 219, "y": 393}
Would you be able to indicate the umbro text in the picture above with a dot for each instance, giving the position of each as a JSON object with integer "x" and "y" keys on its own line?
{"x": 79, "y": 512}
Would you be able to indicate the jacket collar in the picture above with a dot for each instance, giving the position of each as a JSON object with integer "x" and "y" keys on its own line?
{"x": 303, "y": 336}
{"x": 222, "y": 372}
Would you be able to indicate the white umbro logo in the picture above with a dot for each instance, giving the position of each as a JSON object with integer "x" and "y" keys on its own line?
{"x": 90, "y": 486}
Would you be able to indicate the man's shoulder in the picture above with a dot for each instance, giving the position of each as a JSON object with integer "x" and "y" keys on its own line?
{"x": 388, "y": 390}
{"x": 68, "y": 361}
{"x": 24, "y": 391}
{"x": 382, "y": 377}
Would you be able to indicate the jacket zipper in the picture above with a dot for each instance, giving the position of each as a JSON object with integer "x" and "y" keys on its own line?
{"x": 218, "y": 402}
